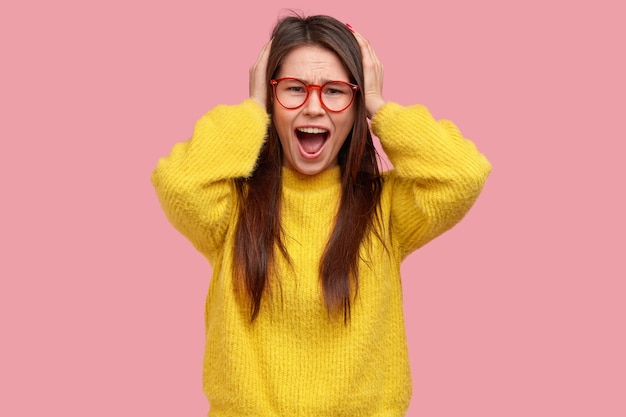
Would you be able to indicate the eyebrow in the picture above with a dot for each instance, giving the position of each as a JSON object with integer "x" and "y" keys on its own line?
{"x": 324, "y": 81}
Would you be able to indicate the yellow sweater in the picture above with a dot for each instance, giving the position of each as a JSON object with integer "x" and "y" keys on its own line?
{"x": 295, "y": 361}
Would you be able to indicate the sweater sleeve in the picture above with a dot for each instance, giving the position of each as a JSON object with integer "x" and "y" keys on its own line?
{"x": 437, "y": 173}
{"x": 194, "y": 183}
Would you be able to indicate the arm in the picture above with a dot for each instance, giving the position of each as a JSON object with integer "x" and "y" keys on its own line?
{"x": 437, "y": 173}
{"x": 194, "y": 183}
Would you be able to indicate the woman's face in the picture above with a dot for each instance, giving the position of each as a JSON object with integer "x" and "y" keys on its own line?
{"x": 311, "y": 136}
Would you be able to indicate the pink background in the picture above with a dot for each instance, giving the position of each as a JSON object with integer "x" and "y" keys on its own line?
{"x": 518, "y": 311}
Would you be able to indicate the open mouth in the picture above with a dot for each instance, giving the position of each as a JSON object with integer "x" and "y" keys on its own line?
{"x": 311, "y": 140}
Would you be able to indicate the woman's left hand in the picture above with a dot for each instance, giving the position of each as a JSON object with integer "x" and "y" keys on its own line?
{"x": 373, "y": 74}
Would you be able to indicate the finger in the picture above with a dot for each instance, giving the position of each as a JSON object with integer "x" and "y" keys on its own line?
{"x": 370, "y": 59}
{"x": 257, "y": 87}
{"x": 261, "y": 60}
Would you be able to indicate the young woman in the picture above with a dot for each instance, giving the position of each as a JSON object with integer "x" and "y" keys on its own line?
{"x": 283, "y": 196}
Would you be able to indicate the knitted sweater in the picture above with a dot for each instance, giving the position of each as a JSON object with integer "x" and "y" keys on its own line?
{"x": 295, "y": 360}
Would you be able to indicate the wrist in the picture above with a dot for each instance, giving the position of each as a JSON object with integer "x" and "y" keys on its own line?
{"x": 258, "y": 100}
{"x": 373, "y": 105}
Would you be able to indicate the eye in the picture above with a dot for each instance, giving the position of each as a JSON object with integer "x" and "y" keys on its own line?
{"x": 295, "y": 89}
{"x": 336, "y": 89}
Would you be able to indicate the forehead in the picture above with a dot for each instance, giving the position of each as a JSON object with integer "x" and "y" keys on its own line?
{"x": 313, "y": 64}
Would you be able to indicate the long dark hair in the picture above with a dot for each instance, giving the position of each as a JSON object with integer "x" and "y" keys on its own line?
{"x": 258, "y": 235}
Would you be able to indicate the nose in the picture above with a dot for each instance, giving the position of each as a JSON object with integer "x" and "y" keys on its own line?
{"x": 313, "y": 105}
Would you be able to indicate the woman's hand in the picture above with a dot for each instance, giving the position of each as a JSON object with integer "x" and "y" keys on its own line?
{"x": 258, "y": 83}
{"x": 373, "y": 74}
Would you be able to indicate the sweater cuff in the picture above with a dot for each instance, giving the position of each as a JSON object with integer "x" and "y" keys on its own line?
{"x": 386, "y": 116}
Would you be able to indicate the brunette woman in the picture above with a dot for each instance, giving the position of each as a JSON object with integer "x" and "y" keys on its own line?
{"x": 283, "y": 195}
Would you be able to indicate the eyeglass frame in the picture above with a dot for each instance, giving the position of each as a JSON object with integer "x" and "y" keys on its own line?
{"x": 308, "y": 87}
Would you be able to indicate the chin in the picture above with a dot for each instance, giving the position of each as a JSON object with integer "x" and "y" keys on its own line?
{"x": 308, "y": 168}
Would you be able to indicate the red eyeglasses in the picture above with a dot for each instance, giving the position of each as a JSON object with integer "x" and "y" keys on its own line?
{"x": 292, "y": 93}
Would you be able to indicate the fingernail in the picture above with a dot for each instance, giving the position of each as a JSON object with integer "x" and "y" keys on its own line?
{"x": 350, "y": 27}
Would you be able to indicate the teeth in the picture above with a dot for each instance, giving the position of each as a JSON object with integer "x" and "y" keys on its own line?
{"x": 312, "y": 130}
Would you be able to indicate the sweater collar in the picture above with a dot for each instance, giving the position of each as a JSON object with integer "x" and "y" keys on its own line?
{"x": 326, "y": 179}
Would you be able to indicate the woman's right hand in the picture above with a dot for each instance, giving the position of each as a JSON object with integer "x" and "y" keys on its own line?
{"x": 258, "y": 83}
